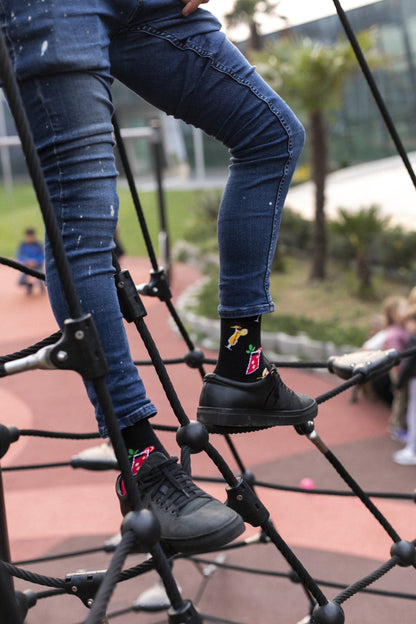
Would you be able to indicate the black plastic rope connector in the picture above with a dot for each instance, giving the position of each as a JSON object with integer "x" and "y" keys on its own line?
{"x": 80, "y": 349}
{"x": 157, "y": 286}
{"x": 84, "y": 585}
{"x": 367, "y": 363}
{"x": 245, "y": 502}
{"x": 187, "y": 614}
{"x": 131, "y": 305}
{"x": 25, "y": 601}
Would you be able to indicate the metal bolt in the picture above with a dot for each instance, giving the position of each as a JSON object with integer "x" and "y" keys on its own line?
{"x": 90, "y": 602}
{"x": 74, "y": 588}
{"x": 79, "y": 334}
{"x": 61, "y": 356}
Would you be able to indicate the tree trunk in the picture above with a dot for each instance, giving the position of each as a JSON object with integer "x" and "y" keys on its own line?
{"x": 319, "y": 164}
{"x": 256, "y": 41}
{"x": 364, "y": 275}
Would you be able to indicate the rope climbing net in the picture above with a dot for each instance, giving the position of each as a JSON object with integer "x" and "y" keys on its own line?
{"x": 78, "y": 349}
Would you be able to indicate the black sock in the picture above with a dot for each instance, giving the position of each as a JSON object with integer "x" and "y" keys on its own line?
{"x": 240, "y": 356}
{"x": 141, "y": 440}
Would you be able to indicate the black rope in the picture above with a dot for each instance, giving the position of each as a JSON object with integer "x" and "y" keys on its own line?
{"x": 183, "y": 331}
{"x": 22, "y": 268}
{"x": 32, "y": 349}
{"x": 345, "y": 475}
{"x": 58, "y": 434}
{"x": 31, "y": 577}
{"x": 148, "y": 565}
{"x": 36, "y": 466}
{"x": 325, "y": 492}
{"x": 374, "y": 89}
{"x": 356, "y": 379}
{"x": 365, "y": 582}
{"x": 11, "y": 90}
{"x": 295, "y": 564}
{"x": 161, "y": 372}
{"x": 289, "y": 575}
{"x": 68, "y": 555}
{"x": 160, "y": 562}
{"x": 49, "y": 594}
{"x": 108, "y": 584}
{"x": 254, "y": 483}
{"x": 133, "y": 191}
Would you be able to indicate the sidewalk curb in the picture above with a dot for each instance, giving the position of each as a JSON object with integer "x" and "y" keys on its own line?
{"x": 205, "y": 332}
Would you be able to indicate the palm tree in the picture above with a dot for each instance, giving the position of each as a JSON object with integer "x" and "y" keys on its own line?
{"x": 247, "y": 12}
{"x": 311, "y": 75}
{"x": 360, "y": 230}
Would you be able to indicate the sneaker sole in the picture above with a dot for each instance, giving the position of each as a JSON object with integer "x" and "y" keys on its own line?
{"x": 236, "y": 420}
{"x": 205, "y": 543}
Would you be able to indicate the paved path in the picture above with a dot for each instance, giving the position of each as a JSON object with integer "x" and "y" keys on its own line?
{"x": 385, "y": 183}
{"x": 62, "y": 510}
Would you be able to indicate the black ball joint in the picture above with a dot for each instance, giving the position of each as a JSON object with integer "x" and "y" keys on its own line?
{"x": 330, "y": 613}
{"x": 405, "y": 552}
{"x": 145, "y": 527}
{"x": 194, "y": 358}
{"x": 194, "y": 435}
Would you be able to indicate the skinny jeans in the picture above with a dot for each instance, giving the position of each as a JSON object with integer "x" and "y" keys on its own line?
{"x": 66, "y": 54}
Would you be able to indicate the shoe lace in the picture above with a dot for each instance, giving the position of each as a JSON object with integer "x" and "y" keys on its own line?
{"x": 169, "y": 485}
{"x": 279, "y": 385}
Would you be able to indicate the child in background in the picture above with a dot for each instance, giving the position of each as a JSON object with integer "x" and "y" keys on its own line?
{"x": 407, "y": 378}
{"x": 396, "y": 337}
{"x": 380, "y": 387}
{"x": 30, "y": 253}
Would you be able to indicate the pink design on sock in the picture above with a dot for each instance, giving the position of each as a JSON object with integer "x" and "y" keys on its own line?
{"x": 138, "y": 459}
{"x": 254, "y": 361}
{"x": 137, "y": 462}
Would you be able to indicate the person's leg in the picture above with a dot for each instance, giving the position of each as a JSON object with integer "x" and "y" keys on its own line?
{"x": 397, "y": 418}
{"x": 68, "y": 103}
{"x": 70, "y": 115}
{"x": 187, "y": 68}
{"x": 411, "y": 417}
{"x": 407, "y": 455}
{"x": 66, "y": 88}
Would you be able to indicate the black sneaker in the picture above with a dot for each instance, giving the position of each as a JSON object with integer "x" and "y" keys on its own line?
{"x": 228, "y": 406}
{"x": 191, "y": 520}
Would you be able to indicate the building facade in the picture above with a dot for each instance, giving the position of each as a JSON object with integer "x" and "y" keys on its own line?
{"x": 357, "y": 133}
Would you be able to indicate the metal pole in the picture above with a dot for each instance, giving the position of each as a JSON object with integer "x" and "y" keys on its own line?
{"x": 163, "y": 234}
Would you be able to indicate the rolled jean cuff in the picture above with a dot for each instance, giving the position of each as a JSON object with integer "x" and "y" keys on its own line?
{"x": 131, "y": 419}
{"x": 224, "y": 312}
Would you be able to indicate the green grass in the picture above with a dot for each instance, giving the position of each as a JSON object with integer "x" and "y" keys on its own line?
{"x": 21, "y": 210}
{"x": 18, "y": 210}
{"x": 325, "y": 311}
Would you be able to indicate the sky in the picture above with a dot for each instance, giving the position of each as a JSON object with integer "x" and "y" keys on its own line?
{"x": 296, "y": 12}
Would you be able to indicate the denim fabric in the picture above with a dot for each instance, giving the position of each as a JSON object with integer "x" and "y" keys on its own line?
{"x": 65, "y": 54}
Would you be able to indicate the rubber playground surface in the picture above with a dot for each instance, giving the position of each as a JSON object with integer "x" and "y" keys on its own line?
{"x": 62, "y": 510}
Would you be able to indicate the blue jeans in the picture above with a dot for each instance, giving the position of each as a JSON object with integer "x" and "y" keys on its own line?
{"x": 65, "y": 55}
